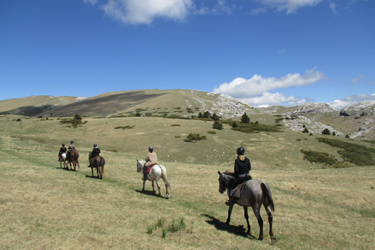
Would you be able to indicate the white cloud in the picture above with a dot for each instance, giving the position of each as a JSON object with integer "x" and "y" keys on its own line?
{"x": 242, "y": 88}
{"x": 256, "y": 90}
{"x": 290, "y": 6}
{"x": 350, "y": 100}
{"x": 333, "y": 7}
{"x": 358, "y": 78}
{"x": 145, "y": 11}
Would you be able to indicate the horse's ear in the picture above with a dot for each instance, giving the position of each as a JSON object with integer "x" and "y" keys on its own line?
{"x": 219, "y": 172}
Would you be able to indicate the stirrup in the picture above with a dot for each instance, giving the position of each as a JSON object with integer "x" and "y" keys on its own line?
{"x": 229, "y": 203}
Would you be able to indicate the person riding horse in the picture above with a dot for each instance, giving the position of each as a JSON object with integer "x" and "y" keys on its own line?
{"x": 62, "y": 151}
{"x": 94, "y": 153}
{"x": 151, "y": 160}
{"x": 70, "y": 148}
{"x": 242, "y": 167}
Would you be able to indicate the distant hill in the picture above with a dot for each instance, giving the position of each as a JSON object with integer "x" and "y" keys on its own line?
{"x": 355, "y": 121}
{"x": 152, "y": 102}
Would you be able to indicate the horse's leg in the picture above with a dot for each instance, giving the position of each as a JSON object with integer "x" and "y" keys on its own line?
{"x": 247, "y": 220}
{"x": 78, "y": 163}
{"x": 157, "y": 184}
{"x": 260, "y": 221}
{"x": 153, "y": 187}
{"x": 270, "y": 219}
{"x": 92, "y": 172}
{"x": 143, "y": 189}
{"x": 100, "y": 173}
{"x": 229, "y": 213}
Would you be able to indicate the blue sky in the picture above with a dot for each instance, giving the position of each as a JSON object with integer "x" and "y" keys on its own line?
{"x": 262, "y": 52}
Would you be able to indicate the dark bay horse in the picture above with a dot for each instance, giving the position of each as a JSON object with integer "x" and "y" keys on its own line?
{"x": 254, "y": 194}
{"x": 97, "y": 162}
{"x": 72, "y": 157}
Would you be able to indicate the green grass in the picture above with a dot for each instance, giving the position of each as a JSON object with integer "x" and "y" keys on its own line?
{"x": 125, "y": 127}
{"x": 50, "y": 208}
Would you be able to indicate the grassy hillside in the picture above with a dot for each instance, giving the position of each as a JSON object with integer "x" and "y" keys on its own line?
{"x": 43, "y": 206}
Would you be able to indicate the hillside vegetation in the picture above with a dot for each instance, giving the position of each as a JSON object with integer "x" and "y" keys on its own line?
{"x": 317, "y": 205}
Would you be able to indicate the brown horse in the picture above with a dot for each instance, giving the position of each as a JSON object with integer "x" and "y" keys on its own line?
{"x": 97, "y": 162}
{"x": 72, "y": 157}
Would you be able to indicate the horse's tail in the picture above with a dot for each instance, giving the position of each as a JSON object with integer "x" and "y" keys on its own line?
{"x": 267, "y": 194}
{"x": 164, "y": 176}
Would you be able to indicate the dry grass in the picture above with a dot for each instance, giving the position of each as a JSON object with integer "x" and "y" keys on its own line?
{"x": 45, "y": 207}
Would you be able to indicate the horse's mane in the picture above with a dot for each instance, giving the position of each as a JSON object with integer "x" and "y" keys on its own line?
{"x": 228, "y": 173}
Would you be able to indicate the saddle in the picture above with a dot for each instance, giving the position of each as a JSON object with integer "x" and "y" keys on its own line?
{"x": 148, "y": 168}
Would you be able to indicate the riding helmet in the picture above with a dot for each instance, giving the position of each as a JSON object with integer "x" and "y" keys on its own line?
{"x": 151, "y": 149}
{"x": 71, "y": 142}
{"x": 240, "y": 151}
{"x": 95, "y": 145}
{"x": 63, "y": 145}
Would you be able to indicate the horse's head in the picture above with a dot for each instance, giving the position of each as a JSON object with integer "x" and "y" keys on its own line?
{"x": 224, "y": 181}
{"x": 90, "y": 153}
{"x": 140, "y": 165}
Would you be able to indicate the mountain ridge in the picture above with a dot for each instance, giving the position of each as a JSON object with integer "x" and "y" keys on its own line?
{"x": 355, "y": 121}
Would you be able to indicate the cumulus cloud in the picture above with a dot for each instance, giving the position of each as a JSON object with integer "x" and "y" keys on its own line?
{"x": 350, "y": 100}
{"x": 256, "y": 90}
{"x": 145, "y": 11}
{"x": 290, "y": 6}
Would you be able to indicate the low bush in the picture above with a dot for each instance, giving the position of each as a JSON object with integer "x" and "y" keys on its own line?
{"x": 125, "y": 127}
{"x": 194, "y": 137}
{"x": 319, "y": 157}
{"x": 357, "y": 154}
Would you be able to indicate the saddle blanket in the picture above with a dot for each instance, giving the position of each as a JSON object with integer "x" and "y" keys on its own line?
{"x": 148, "y": 168}
{"x": 236, "y": 193}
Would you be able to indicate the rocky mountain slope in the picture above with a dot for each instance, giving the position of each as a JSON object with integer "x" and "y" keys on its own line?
{"x": 355, "y": 121}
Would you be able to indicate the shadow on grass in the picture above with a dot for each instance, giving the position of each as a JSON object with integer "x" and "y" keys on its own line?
{"x": 237, "y": 230}
{"x": 150, "y": 193}
{"x": 92, "y": 177}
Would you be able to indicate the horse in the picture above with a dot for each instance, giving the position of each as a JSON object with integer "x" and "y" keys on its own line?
{"x": 97, "y": 162}
{"x": 254, "y": 194}
{"x": 62, "y": 160}
{"x": 156, "y": 172}
{"x": 72, "y": 157}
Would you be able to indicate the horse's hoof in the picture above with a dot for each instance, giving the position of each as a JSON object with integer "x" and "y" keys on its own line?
{"x": 168, "y": 195}
{"x": 273, "y": 240}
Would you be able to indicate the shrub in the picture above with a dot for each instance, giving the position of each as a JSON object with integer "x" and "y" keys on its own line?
{"x": 217, "y": 125}
{"x": 245, "y": 118}
{"x": 124, "y": 127}
{"x": 207, "y": 114}
{"x": 351, "y": 152}
{"x": 194, "y": 137}
{"x": 234, "y": 125}
{"x": 215, "y": 117}
{"x": 326, "y": 132}
{"x": 305, "y": 131}
{"x": 319, "y": 157}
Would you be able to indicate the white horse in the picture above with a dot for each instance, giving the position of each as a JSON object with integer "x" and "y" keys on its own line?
{"x": 156, "y": 172}
{"x": 63, "y": 160}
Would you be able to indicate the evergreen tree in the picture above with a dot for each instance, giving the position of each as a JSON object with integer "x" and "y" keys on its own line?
{"x": 245, "y": 118}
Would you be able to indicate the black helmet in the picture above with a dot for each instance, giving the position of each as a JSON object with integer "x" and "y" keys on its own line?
{"x": 240, "y": 151}
{"x": 71, "y": 142}
{"x": 151, "y": 149}
{"x": 95, "y": 145}
{"x": 63, "y": 145}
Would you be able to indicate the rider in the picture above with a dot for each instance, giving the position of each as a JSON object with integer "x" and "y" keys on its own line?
{"x": 242, "y": 168}
{"x": 94, "y": 153}
{"x": 70, "y": 148}
{"x": 151, "y": 159}
{"x": 62, "y": 151}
